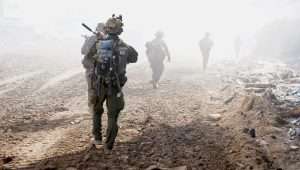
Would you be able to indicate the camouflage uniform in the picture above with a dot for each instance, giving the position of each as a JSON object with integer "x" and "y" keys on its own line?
{"x": 109, "y": 89}
{"x": 156, "y": 51}
{"x": 205, "y": 46}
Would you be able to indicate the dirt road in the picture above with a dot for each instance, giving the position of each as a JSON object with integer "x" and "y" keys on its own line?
{"x": 194, "y": 119}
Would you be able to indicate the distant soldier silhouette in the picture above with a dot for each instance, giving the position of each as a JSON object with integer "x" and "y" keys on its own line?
{"x": 205, "y": 45}
{"x": 156, "y": 51}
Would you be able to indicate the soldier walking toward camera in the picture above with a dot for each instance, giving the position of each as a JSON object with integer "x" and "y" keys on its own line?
{"x": 156, "y": 51}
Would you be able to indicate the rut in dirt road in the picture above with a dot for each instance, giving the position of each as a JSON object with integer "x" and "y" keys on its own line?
{"x": 21, "y": 77}
{"x": 59, "y": 78}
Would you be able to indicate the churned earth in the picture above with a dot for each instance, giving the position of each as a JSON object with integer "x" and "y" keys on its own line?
{"x": 224, "y": 119}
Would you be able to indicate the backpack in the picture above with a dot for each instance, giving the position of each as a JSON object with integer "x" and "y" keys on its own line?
{"x": 88, "y": 44}
{"x": 105, "y": 58}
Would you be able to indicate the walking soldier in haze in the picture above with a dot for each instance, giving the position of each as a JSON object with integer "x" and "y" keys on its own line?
{"x": 111, "y": 57}
{"x": 205, "y": 46}
{"x": 156, "y": 51}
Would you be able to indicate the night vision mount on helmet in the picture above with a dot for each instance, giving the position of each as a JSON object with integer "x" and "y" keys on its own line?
{"x": 114, "y": 25}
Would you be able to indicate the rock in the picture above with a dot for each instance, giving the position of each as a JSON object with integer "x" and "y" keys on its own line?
{"x": 215, "y": 117}
{"x": 294, "y": 147}
{"x": 262, "y": 142}
{"x": 228, "y": 100}
{"x": 294, "y": 133}
{"x": 153, "y": 167}
{"x": 179, "y": 168}
{"x": 71, "y": 168}
{"x": 256, "y": 90}
{"x": 87, "y": 157}
{"x": 92, "y": 168}
{"x": 247, "y": 103}
{"x": 6, "y": 160}
{"x": 77, "y": 121}
{"x": 259, "y": 85}
{"x": 50, "y": 167}
{"x": 224, "y": 88}
{"x": 252, "y": 133}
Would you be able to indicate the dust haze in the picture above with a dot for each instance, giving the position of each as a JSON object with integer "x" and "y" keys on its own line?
{"x": 240, "y": 113}
{"x": 53, "y": 27}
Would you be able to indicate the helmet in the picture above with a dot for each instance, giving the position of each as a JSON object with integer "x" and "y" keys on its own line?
{"x": 207, "y": 34}
{"x": 114, "y": 25}
{"x": 159, "y": 34}
{"x": 100, "y": 27}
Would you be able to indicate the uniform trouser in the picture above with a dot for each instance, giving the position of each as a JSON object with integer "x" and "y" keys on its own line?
{"x": 114, "y": 106}
{"x": 157, "y": 70}
{"x": 205, "y": 55}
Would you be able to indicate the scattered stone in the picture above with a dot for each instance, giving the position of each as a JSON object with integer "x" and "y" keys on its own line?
{"x": 87, "y": 157}
{"x": 262, "y": 142}
{"x": 227, "y": 101}
{"x": 296, "y": 122}
{"x": 71, "y": 168}
{"x": 294, "y": 133}
{"x": 153, "y": 167}
{"x": 6, "y": 160}
{"x": 50, "y": 167}
{"x": 60, "y": 109}
{"x": 252, "y": 133}
{"x": 77, "y": 121}
{"x": 259, "y": 85}
{"x": 255, "y": 90}
{"x": 224, "y": 88}
{"x": 248, "y": 103}
{"x": 215, "y": 117}
{"x": 294, "y": 147}
{"x": 179, "y": 168}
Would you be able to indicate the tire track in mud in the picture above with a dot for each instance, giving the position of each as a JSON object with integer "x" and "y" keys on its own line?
{"x": 59, "y": 78}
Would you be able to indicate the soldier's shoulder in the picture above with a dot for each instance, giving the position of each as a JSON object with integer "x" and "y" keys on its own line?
{"x": 122, "y": 43}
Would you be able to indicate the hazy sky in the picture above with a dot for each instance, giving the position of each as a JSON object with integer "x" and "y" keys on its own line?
{"x": 182, "y": 20}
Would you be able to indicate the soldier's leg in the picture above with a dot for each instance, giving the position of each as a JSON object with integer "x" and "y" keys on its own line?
{"x": 205, "y": 60}
{"x": 97, "y": 111}
{"x": 160, "y": 70}
{"x": 153, "y": 69}
{"x": 157, "y": 71}
{"x": 114, "y": 105}
{"x": 91, "y": 90}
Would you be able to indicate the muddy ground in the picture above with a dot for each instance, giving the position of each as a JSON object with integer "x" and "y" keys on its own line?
{"x": 194, "y": 120}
